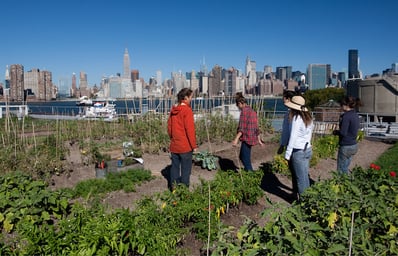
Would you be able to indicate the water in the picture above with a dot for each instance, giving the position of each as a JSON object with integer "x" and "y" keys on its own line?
{"x": 69, "y": 108}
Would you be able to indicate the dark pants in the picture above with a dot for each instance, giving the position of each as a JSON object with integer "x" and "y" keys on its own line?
{"x": 245, "y": 156}
{"x": 181, "y": 166}
{"x": 294, "y": 178}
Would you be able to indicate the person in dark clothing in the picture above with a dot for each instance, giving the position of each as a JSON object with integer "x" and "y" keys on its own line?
{"x": 348, "y": 132}
{"x": 285, "y": 134}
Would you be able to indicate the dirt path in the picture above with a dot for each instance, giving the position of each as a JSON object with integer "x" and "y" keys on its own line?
{"x": 277, "y": 187}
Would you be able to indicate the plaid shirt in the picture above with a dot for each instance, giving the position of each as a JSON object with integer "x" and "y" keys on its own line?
{"x": 248, "y": 125}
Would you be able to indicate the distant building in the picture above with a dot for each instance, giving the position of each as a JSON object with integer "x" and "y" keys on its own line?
{"x": 32, "y": 80}
{"x": 230, "y": 79}
{"x": 179, "y": 81}
{"x": 7, "y": 76}
{"x": 394, "y": 68}
{"x": 215, "y": 78}
{"x": 126, "y": 65}
{"x": 84, "y": 90}
{"x": 353, "y": 64}
{"x": 203, "y": 84}
{"x": 318, "y": 76}
{"x": 115, "y": 87}
{"x": 74, "y": 91}
{"x": 250, "y": 71}
{"x": 379, "y": 96}
{"x": 17, "y": 88}
{"x": 135, "y": 75}
{"x": 284, "y": 73}
{"x": 341, "y": 76}
{"x": 267, "y": 71}
{"x": 194, "y": 83}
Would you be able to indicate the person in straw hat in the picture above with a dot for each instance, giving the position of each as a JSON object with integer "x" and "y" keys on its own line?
{"x": 299, "y": 150}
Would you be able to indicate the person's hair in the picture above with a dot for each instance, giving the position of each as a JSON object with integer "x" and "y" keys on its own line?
{"x": 305, "y": 115}
{"x": 184, "y": 92}
{"x": 239, "y": 98}
{"x": 288, "y": 94}
{"x": 351, "y": 102}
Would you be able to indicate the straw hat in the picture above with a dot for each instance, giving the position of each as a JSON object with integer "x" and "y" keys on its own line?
{"x": 297, "y": 103}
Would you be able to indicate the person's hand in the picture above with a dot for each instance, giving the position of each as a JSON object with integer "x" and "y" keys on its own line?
{"x": 280, "y": 150}
{"x": 235, "y": 142}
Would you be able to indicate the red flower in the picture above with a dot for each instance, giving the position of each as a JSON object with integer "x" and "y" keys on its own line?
{"x": 393, "y": 174}
{"x": 374, "y": 166}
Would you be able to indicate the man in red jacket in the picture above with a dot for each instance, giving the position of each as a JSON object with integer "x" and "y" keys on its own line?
{"x": 181, "y": 130}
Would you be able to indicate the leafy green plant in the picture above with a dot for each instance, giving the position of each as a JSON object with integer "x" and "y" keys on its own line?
{"x": 207, "y": 160}
{"x": 363, "y": 204}
{"x": 280, "y": 165}
{"x": 26, "y": 199}
{"x": 124, "y": 180}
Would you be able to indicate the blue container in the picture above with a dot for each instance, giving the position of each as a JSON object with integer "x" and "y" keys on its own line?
{"x": 119, "y": 163}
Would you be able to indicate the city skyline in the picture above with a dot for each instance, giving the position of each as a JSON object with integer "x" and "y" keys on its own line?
{"x": 66, "y": 37}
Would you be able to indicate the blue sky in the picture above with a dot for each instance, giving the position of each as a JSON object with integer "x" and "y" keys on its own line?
{"x": 172, "y": 35}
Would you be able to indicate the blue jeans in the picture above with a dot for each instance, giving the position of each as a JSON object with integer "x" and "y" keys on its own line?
{"x": 344, "y": 157}
{"x": 181, "y": 166}
{"x": 300, "y": 161}
{"x": 245, "y": 156}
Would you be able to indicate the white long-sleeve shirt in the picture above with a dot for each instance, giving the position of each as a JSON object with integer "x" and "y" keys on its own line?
{"x": 299, "y": 136}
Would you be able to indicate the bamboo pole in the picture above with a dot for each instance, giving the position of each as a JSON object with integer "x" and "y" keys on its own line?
{"x": 209, "y": 221}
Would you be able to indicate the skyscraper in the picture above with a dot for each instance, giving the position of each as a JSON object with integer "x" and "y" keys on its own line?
{"x": 126, "y": 64}
{"x": 318, "y": 76}
{"x": 250, "y": 71}
{"x": 7, "y": 76}
{"x": 16, "y": 82}
{"x": 158, "y": 78}
{"x": 353, "y": 64}
{"x": 74, "y": 86}
{"x": 135, "y": 75}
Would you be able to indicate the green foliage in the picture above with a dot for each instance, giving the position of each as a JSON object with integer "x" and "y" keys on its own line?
{"x": 216, "y": 128}
{"x": 124, "y": 180}
{"x": 150, "y": 133}
{"x": 364, "y": 203}
{"x": 155, "y": 227}
{"x": 280, "y": 165}
{"x": 24, "y": 199}
{"x": 318, "y": 97}
{"x": 324, "y": 147}
{"x": 388, "y": 161}
{"x": 206, "y": 160}
{"x": 265, "y": 125}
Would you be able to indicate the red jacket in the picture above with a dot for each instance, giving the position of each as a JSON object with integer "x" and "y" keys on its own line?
{"x": 181, "y": 129}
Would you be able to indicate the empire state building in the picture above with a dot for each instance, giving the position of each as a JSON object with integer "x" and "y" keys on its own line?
{"x": 126, "y": 65}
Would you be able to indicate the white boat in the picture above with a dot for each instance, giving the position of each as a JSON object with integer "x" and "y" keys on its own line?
{"x": 103, "y": 110}
{"x": 84, "y": 101}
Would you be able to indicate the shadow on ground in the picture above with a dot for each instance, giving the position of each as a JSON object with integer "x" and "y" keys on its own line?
{"x": 166, "y": 174}
{"x": 271, "y": 184}
{"x": 226, "y": 164}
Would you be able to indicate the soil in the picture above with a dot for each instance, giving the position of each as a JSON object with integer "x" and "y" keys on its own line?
{"x": 277, "y": 188}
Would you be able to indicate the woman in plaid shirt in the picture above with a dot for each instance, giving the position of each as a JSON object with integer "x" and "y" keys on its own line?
{"x": 248, "y": 132}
